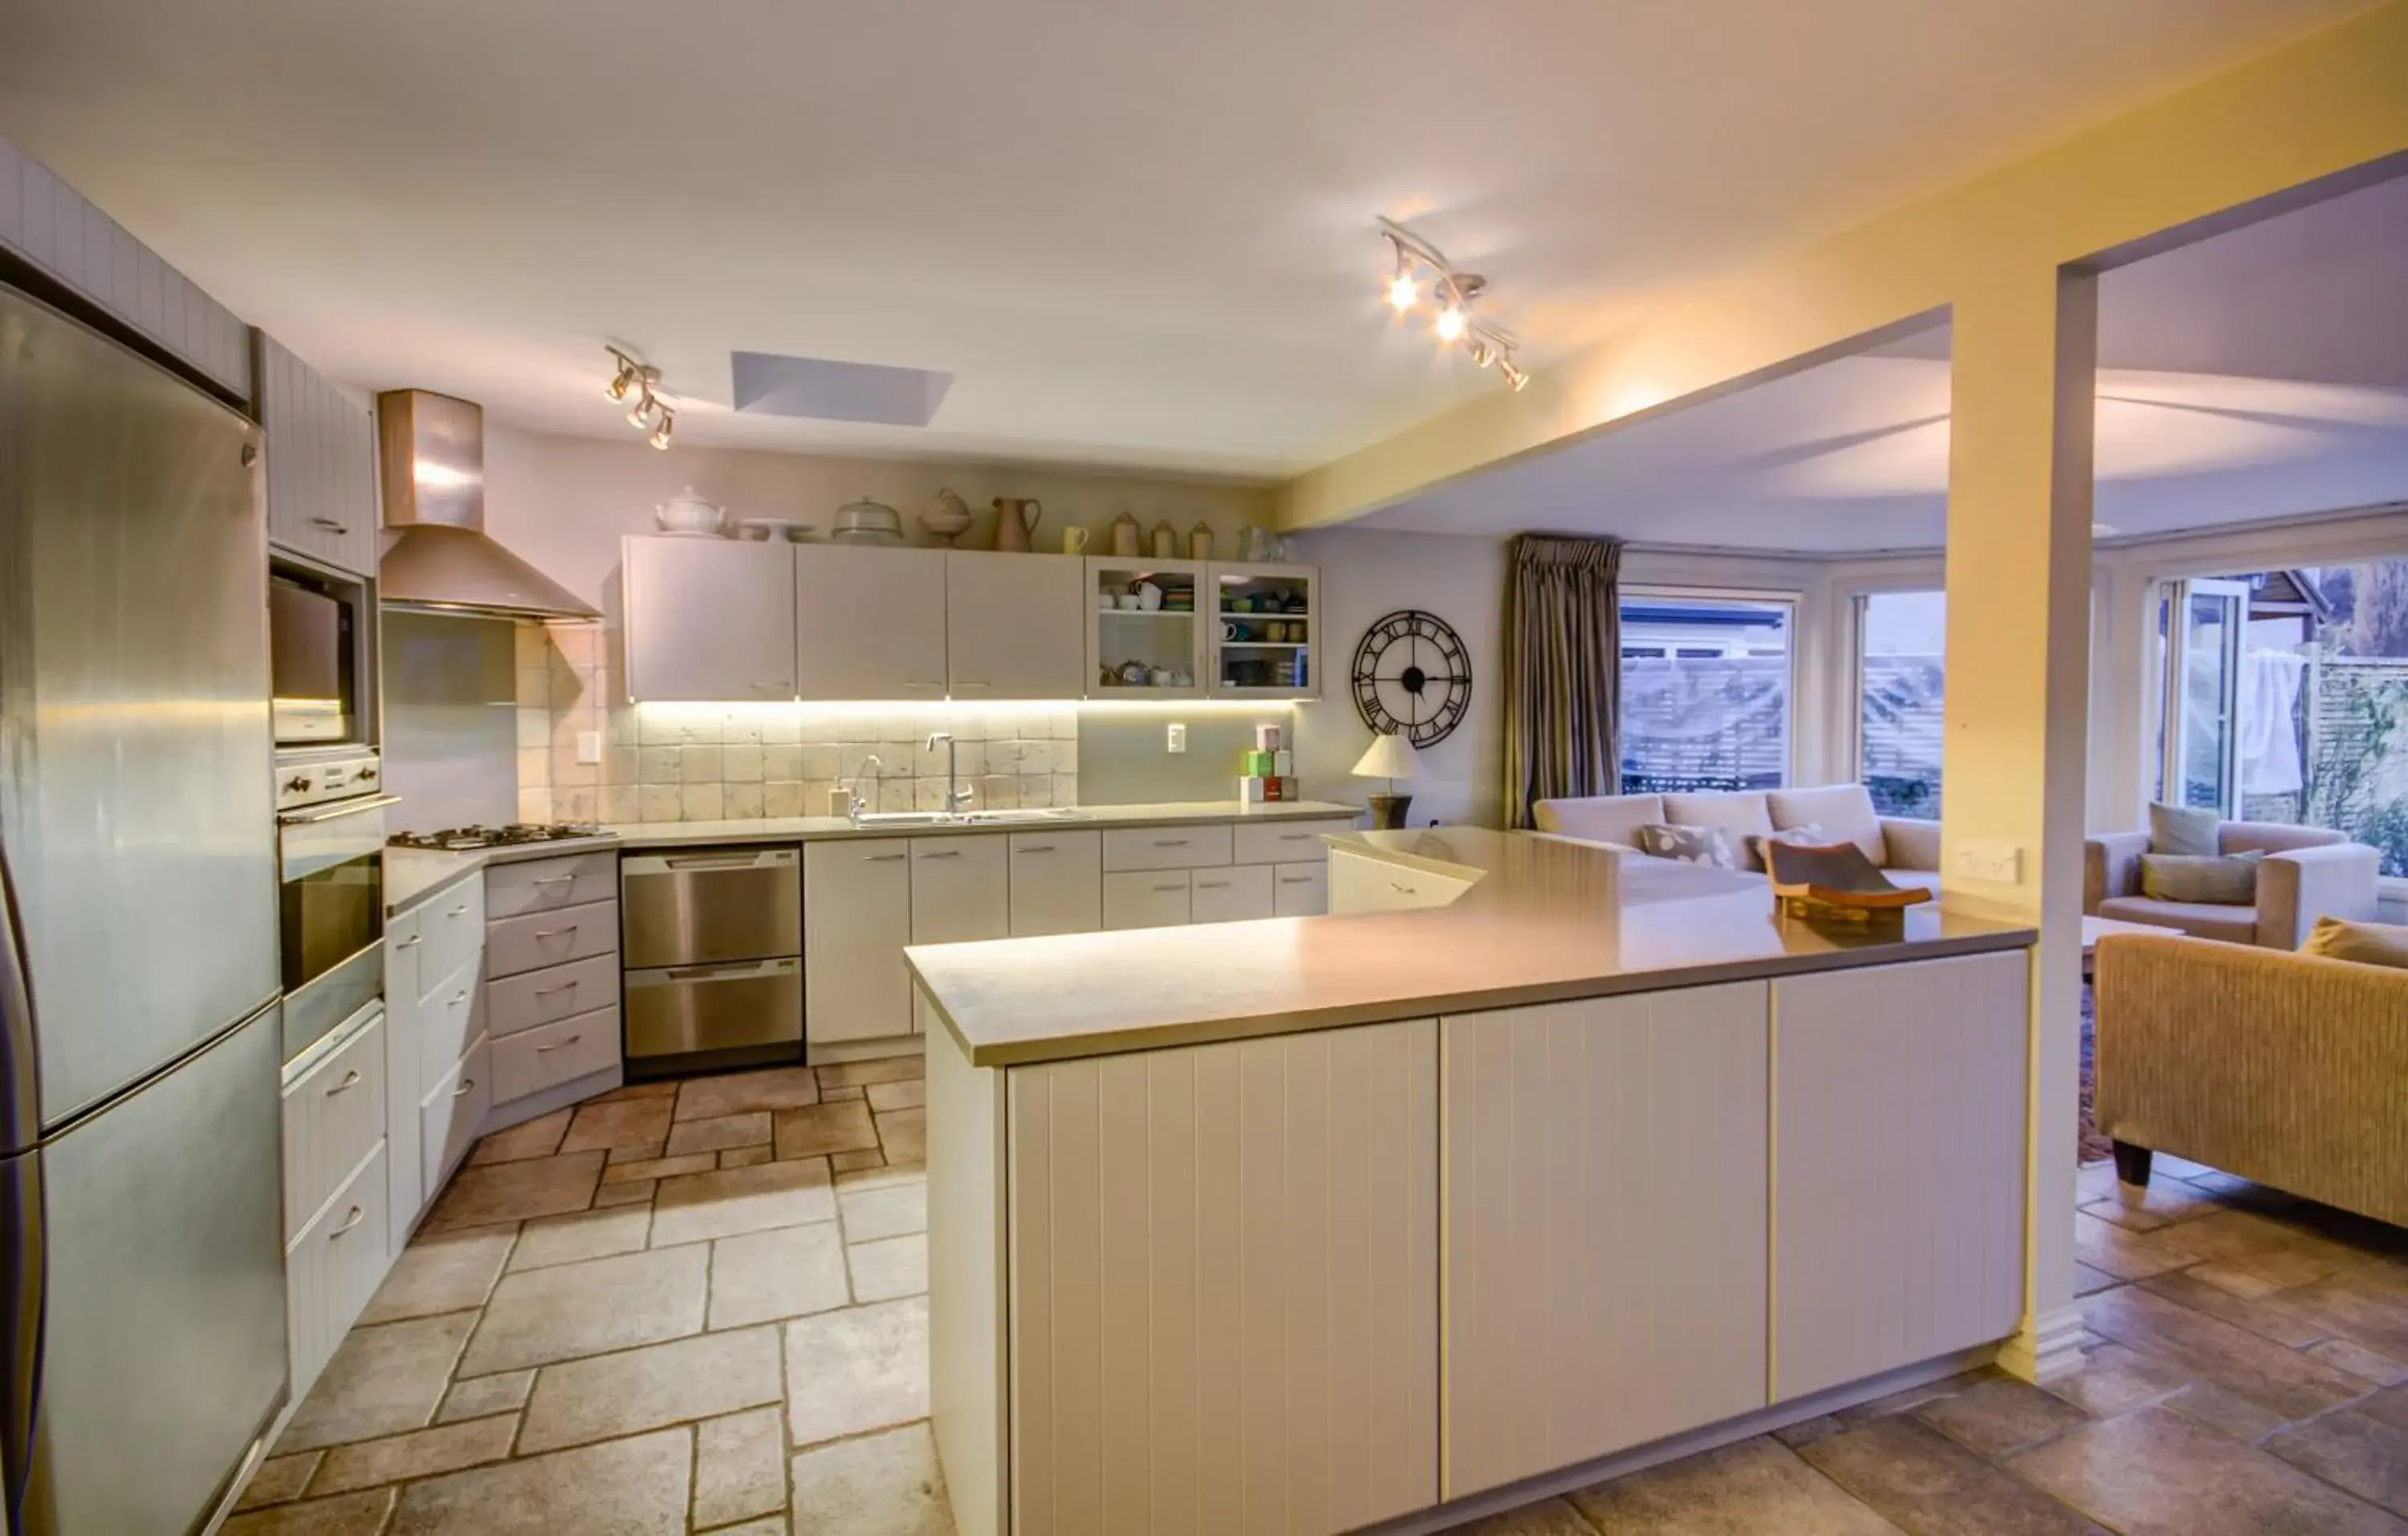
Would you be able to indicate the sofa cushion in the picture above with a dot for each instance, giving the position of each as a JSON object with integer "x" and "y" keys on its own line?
{"x": 2273, "y": 838}
{"x": 2179, "y": 877}
{"x": 1741, "y": 815}
{"x": 2368, "y": 943}
{"x": 2233, "y": 924}
{"x": 2179, "y": 829}
{"x": 1599, "y": 818}
{"x": 1705, "y": 845}
{"x": 1843, "y": 811}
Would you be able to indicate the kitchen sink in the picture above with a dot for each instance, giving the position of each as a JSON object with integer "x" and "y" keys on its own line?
{"x": 970, "y": 818}
{"x": 903, "y": 818}
{"x": 1055, "y": 813}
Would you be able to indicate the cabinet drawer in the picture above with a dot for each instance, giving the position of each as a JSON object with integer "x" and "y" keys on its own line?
{"x": 452, "y": 930}
{"x": 332, "y": 1115}
{"x": 1151, "y": 899}
{"x": 333, "y": 1266}
{"x": 404, "y": 948}
{"x": 1300, "y": 890}
{"x": 1231, "y": 894}
{"x": 450, "y": 1019}
{"x": 450, "y": 1117}
{"x": 1166, "y": 847}
{"x": 1284, "y": 842}
{"x": 542, "y": 996}
{"x": 1056, "y": 882}
{"x": 544, "y": 884}
{"x": 551, "y": 939}
{"x": 549, "y": 1055}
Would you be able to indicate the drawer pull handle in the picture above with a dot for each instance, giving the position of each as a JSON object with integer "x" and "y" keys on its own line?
{"x": 331, "y": 526}
{"x": 1212, "y": 884}
{"x": 1171, "y": 842}
{"x": 1295, "y": 880}
{"x": 468, "y": 1085}
{"x": 554, "y": 880}
{"x": 560, "y": 1044}
{"x": 457, "y": 999}
{"x": 945, "y": 852}
{"x": 1406, "y": 889}
{"x": 1171, "y": 888}
{"x": 1295, "y": 837}
{"x": 556, "y": 933}
{"x": 410, "y": 942}
{"x": 885, "y": 858}
{"x": 460, "y": 911}
{"x": 547, "y": 991}
{"x": 351, "y": 1081}
{"x": 1039, "y": 848}
{"x": 356, "y": 1217}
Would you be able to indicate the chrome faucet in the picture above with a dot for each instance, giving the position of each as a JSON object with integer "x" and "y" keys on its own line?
{"x": 854, "y": 804}
{"x": 955, "y": 796}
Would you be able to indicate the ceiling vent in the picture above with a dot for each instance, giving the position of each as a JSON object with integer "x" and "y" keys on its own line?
{"x": 768, "y": 384}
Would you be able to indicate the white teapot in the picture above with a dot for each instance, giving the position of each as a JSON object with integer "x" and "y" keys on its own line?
{"x": 687, "y": 512}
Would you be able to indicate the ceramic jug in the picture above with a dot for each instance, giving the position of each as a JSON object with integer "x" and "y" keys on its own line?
{"x": 1127, "y": 535}
{"x": 1015, "y": 519}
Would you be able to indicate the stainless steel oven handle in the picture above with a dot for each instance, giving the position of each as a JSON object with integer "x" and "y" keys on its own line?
{"x": 340, "y": 809}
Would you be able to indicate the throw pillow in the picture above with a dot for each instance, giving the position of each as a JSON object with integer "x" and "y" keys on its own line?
{"x": 2368, "y": 943}
{"x": 1688, "y": 845}
{"x": 2230, "y": 882}
{"x": 1808, "y": 836}
{"x": 2179, "y": 829}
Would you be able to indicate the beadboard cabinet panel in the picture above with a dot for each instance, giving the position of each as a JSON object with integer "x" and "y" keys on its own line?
{"x": 322, "y": 463}
{"x": 1605, "y": 1190}
{"x": 1898, "y": 1165}
{"x": 1223, "y": 1270}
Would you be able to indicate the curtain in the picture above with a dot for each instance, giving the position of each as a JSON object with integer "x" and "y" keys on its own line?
{"x": 1562, "y": 670}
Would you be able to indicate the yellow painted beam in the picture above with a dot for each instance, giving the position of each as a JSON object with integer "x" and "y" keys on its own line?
{"x": 2317, "y": 107}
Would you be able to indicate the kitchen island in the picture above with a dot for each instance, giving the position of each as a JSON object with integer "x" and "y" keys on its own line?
{"x": 1530, "y": 1162}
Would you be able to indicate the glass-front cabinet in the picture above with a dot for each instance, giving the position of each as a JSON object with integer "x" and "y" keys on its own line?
{"x": 1266, "y": 631}
{"x": 1146, "y": 630}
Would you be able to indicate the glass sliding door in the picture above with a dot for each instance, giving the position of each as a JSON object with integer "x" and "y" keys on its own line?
{"x": 1900, "y": 669}
{"x": 2206, "y": 624}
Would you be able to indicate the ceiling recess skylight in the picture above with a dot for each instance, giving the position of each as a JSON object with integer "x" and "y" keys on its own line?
{"x": 768, "y": 384}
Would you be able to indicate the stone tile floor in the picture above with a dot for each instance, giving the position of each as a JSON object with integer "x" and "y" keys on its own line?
{"x": 701, "y": 1307}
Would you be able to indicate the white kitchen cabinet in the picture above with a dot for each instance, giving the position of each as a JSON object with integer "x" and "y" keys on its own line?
{"x": 1223, "y": 1282}
{"x": 1168, "y": 639}
{"x": 452, "y": 922}
{"x": 322, "y": 463}
{"x": 333, "y": 1115}
{"x": 1166, "y": 847}
{"x": 1899, "y": 1166}
{"x": 869, "y": 623}
{"x": 1266, "y": 632}
{"x": 961, "y": 891}
{"x": 1058, "y": 882}
{"x": 1605, "y": 1188}
{"x": 708, "y": 619}
{"x": 452, "y": 1115}
{"x": 1301, "y": 890}
{"x": 1232, "y": 893}
{"x": 544, "y": 938}
{"x": 1015, "y": 625}
{"x": 857, "y": 924}
{"x": 1285, "y": 841}
{"x": 549, "y": 1054}
{"x": 451, "y": 1017}
{"x": 333, "y": 1265}
{"x": 404, "y": 1086}
{"x": 1146, "y": 899}
{"x": 1358, "y": 884}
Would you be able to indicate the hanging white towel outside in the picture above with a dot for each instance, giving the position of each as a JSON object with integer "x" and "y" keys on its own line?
{"x": 2270, "y": 732}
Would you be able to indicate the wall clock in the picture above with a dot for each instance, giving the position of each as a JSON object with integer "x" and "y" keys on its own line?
{"x": 1413, "y": 677}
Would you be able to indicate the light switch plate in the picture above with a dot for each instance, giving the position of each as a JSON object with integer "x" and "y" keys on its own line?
{"x": 1178, "y": 742}
{"x": 2001, "y": 863}
{"x": 589, "y": 746}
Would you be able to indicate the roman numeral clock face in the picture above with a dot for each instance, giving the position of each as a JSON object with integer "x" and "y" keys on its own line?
{"x": 1413, "y": 677}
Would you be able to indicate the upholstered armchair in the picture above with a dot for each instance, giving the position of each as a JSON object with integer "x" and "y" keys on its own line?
{"x": 2308, "y": 872}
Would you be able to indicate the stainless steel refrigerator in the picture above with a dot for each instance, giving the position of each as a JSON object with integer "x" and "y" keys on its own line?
{"x": 139, "y": 1171}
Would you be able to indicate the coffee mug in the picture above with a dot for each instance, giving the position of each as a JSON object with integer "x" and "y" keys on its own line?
{"x": 1074, "y": 541}
{"x": 1229, "y": 632}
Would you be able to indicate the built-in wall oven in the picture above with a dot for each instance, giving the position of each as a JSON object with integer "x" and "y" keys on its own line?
{"x": 330, "y": 836}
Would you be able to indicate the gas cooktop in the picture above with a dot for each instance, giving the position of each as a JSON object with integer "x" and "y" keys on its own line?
{"x": 453, "y": 839}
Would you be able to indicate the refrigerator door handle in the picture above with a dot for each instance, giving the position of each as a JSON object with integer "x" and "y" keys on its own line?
{"x": 21, "y": 1101}
{"x": 24, "y": 1295}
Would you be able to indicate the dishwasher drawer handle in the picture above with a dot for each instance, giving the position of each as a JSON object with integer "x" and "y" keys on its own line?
{"x": 351, "y": 1081}
{"x": 727, "y": 861}
{"x": 736, "y": 971}
{"x": 560, "y": 1044}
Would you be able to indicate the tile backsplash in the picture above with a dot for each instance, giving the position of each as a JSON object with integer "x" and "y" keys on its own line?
{"x": 711, "y": 762}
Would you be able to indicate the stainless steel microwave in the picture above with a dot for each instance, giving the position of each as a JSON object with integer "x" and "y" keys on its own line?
{"x": 319, "y": 629}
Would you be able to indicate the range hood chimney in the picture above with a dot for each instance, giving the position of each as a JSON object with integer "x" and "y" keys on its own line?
{"x": 433, "y": 450}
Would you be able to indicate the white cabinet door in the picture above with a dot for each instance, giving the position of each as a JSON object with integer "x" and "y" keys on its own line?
{"x": 1899, "y": 1166}
{"x": 869, "y": 623}
{"x": 452, "y": 1115}
{"x": 332, "y": 1267}
{"x": 1058, "y": 882}
{"x": 322, "y": 463}
{"x": 708, "y": 619}
{"x": 1150, "y": 899}
{"x": 1605, "y": 1190}
{"x": 1301, "y": 890}
{"x": 961, "y": 890}
{"x": 404, "y": 1178}
{"x": 1015, "y": 625}
{"x": 1223, "y": 1271}
{"x": 1231, "y": 894}
{"x": 856, "y": 922}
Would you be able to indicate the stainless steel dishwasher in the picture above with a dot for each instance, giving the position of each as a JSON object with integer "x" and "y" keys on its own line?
{"x": 713, "y": 952}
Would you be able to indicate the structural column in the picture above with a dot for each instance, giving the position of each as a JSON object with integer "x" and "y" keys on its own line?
{"x": 2019, "y": 497}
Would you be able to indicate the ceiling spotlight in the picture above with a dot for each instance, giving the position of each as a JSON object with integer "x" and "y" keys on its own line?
{"x": 641, "y": 380}
{"x": 1481, "y": 353}
{"x": 642, "y": 416}
{"x": 660, "y": 438}
{"x": 617, "y": 389}
{"x": 1514, "y": 377}
{"x": 1450, "y": 324}
{"x": 1486, "y": 345}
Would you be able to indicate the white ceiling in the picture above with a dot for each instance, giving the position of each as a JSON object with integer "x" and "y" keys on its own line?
{"x": 1139, "y": 234}
{"x": 2259, "y": 375}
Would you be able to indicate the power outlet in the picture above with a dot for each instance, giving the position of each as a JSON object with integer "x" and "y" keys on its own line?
{"x": 2000, "y": 862}
{"x": 589, "y": 746}
{"x": 1177, "y": 737}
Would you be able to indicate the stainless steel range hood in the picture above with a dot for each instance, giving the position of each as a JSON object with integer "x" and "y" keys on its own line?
{"x": 433, "y": 457}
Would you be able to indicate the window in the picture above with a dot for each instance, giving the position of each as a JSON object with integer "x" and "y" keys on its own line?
{"x": 2286, "y": 699}
{"x": 1900, "y": 656}
{"x": 1705, "y": 691}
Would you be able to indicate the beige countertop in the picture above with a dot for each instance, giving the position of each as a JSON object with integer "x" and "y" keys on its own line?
{"x": 816, "y": 828}
{"x": 1542, "y": 921}
{"x": 414, "y": 874}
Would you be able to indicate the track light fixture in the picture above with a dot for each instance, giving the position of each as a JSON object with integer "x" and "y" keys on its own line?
{"x": 1452, "y": 293}
{"x": 643, "y": 381}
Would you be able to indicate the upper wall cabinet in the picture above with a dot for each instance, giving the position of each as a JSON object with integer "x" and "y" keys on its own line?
{"x": 322, "y": 463}
{"x": 1266, "y": 630}
{"x": 869, "y": 623}
{"x": 44, "y": 221}
{"x": 1015, "y": 625}
{"x": 709, "y": 620}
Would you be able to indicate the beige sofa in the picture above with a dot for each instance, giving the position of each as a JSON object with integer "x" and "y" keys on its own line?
{"x": 1907, "y": 850}
{"x": 2287, "y": 1070}
{"x": 2308, "y": 873}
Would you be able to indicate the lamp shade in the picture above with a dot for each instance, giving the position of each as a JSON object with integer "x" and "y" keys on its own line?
{"x": 1389, "y": 757}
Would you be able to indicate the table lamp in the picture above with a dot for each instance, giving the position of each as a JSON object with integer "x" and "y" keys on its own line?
{"x": 1390, "y": 757}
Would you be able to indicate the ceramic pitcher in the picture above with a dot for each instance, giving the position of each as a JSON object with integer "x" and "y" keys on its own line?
{"x": 1015, "y": 519}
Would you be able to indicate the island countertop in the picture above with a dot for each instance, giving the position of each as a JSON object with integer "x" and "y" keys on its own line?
{"x": 1539, "y": 920}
